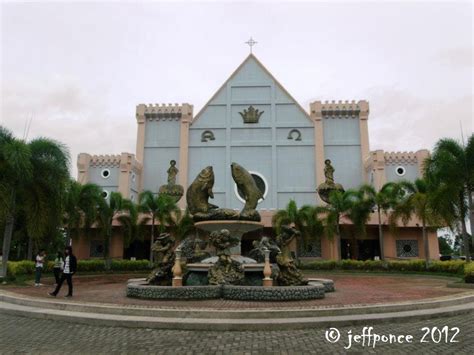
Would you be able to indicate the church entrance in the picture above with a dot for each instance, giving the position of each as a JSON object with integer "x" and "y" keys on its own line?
{"x": 360, "y": 249}
{"x": 368, "y": 249}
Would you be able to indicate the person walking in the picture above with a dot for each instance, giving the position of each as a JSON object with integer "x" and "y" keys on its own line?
{"x": 58, "y": 266}
{"x": 39, "y": 263}
{"x": 69, "y": 269}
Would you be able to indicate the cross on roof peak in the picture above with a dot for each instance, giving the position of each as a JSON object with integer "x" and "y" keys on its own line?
{"x": 251, "y": 42}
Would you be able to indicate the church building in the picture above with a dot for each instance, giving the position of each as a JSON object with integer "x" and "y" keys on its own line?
{"x": 253, "y": 121}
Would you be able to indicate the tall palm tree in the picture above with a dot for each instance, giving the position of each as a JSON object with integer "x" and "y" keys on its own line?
{"x": 33, "y": 178}
{"x": 417, "y": 201}
{"x": 116, "y": 208}
{"x": 81, "y": 204}
{"x": 382, "y": 201}
{"x": 305, "y": 219}
{"x": 340, "y": 205}
{"x": 451, "y": 170}
{"x": 160, "y": 208}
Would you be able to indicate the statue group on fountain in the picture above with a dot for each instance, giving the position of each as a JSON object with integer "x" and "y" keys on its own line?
{"x": 226, "y": 270}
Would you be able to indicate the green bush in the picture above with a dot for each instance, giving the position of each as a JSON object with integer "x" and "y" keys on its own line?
{"x": 23, "y": 267}
{"x": 27, "y": 267}
{"x": 130, "y": 265}
{"x": 469, "y": 273}
{"x": 452, "y": 267}
{"x": 92, "y": 265}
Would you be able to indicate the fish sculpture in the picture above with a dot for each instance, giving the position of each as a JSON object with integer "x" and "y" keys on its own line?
{"x": 252, "y": 194}
{"x": 197, "y": 198}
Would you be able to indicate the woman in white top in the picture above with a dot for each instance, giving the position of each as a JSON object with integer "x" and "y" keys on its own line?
{"x": 39, "y": 266}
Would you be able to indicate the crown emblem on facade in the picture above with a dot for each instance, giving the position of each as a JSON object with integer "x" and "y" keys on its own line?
{"x": 251, "y": 115}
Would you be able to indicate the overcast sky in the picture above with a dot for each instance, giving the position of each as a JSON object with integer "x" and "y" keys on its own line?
{"x": 79, "y": 69}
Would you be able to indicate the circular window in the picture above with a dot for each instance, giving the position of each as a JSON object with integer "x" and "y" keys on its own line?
{"x": 261, "y": 184}
{"x": 105, "y": 194}
{"x": 407, "y": 248}
{"x": 105, "y": 173}
{"x": 400, "y": 170}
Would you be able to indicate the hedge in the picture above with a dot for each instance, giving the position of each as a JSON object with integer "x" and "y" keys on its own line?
{"x": 452, "y": 267}
{"x": 469, "y": 273}
{"x": 27, "y": 267}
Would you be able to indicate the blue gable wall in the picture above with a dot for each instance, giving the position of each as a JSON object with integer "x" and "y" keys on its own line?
{"x": 342, "y": 147}
{"x": 286, "y": 164}
{"x": 161, "y": 146}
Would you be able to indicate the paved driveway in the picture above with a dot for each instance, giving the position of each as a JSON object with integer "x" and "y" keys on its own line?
{"x": 20, "y": 335}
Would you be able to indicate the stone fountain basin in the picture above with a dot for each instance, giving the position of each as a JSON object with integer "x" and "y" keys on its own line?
{"x": 138, "y": 288}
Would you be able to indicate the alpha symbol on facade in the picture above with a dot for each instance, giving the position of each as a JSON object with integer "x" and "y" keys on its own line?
{"x": 251, "y": 43}
{"x": 294, "y": 134}
{"x": 251, "y": 115}
{"x": 207, "y": 136}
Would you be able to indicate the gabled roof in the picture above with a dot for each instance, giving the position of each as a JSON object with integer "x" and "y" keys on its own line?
{"x": 249, "y": 57}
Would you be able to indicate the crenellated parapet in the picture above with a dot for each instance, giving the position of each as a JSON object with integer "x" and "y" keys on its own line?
{"x": 339, "y": 109}
{"x": 164, "y": 112}
{"x": 396, "y": 158}
{"x": 105, "y": 161}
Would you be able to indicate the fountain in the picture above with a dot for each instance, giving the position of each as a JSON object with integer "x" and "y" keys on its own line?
{"x": 228, "y": 274}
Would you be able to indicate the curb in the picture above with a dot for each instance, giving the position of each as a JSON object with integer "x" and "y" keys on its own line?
{"x": 210, "y": 313}
{"x": 214, "y": 324}
{"x": 221, "y": 320}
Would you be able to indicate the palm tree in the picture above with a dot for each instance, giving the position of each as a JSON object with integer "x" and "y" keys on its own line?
{"x": 340, "y": 205}
{"x": 305, "y": 219}
{"x": 451, "y": 170}
{"x": 417, "y": 201}
{"x": 159, "y": 208}
{"x": 34, "y": 175}
{"x": 382, "y": 201}
{"x": 80, "y": 206}
{"x": 183, "y": 224}
{"x": 121, "y": 209}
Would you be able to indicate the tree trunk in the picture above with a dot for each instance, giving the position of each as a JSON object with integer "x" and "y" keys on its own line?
{"x": 471, "y": 215}
{"x": 465, "y": 240}
{"x": 152, "y": 238}
{"x": 338, "y": 241}
{"x": 465, "y": 236}
{"x": 381, "y": 246}
{"x": 108, "y": 259}
{"x": 29, "y": 253}
{"x": 7, "y": 238}
{"x": 425, "y": 244}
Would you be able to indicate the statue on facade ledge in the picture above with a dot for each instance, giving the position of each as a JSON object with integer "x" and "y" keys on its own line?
{"x": 172, "y": 189}
{"x": 325, "y": 189}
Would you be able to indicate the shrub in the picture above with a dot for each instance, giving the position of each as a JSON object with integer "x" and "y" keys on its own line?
{"x": 27, "y": 267}
{"x": 91, "y": 265}
{"x": 130, "y": 265}
{"x": 452, "y": 267}
{"x": 23, "y": 267}
{"x": 469, "y": 273}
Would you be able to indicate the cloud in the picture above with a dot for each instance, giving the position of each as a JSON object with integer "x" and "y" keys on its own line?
{"x": 402, "y": 121}
{"x": 456, "y": 57}
{"x": 64, "y": 111}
